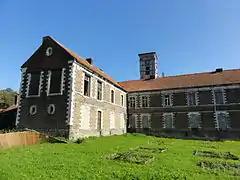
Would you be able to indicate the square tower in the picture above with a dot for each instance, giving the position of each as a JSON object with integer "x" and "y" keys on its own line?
{"x": 148, "y": 65}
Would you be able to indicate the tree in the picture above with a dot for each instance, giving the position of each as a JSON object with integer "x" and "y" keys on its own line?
{"x": 6, "y": 97}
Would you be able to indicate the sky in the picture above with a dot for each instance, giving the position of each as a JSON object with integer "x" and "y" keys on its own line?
{"x": 189, "y": 36}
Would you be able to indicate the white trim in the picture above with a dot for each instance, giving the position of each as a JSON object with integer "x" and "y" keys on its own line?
{"x": 114, "y": 96}
{"x": 20, "y": 95}
{"x": 90, "y": 85}
{"x": 148, "y": 101}
{"x": 172, "y": 116}
{"x": 99, "y": 78}
{"x": 33, "y": 110}
{"x": 98, "y": 109}
{"x": 217, "y": 121}
{"x": 141, "y": 119}
{"x": 135, "y": 119}
{"x": 195, "y": 93}
{"x": 122, "y": 101}
{"x": 102, "y": 83}
{"x": 49, "y": 83}
{"x": 195, "y": 113}
{"x": 49, "y": 108}
{"x": 72, "y": 93}
{"x": 135, "y": 102}
{"x": 170, "y": 99}
{"x": 39, "y": 86}
{"x": 214, "y": 96}
{"x": 49, "y": 51}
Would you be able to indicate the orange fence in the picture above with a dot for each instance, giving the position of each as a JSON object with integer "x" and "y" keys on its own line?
{"x": 19, "y": 139}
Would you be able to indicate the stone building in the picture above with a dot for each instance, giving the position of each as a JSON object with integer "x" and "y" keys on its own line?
{"x": 201, "y": 104}
{"x": 65, "y": 95}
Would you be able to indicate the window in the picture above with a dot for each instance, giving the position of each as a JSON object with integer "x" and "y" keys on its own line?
{"x": 87, "y": 79}
{"x": 222, "y": 120}
{"x": 51, "y": 109}
{"x": 132, "y": 102}
{"x": 144, "y": 101}
{"x": 168, "y": 120}
{"x": 122, "y": 100}
{"x": 99, "y": 90}
{"x": 34, "y": 83}
{"x": 33, "y": 110}
{"x": 145, "y": 121}
{"x": 112, "y": 96}
{"x": 191, "y": 98}
{"x": 99, "y": 120}
{"x": 167, "y": 100}
{"x": 132, "y": 121}
{"x": 55, "y": 81}
{"x": 194, "y": 120}
{"x": 219, "y": 96}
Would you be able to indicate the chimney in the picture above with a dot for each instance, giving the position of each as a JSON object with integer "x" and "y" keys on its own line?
{"x": 219, "y": 70}
{"x": 89, "y": 60}
{"x": 163, "y": 75}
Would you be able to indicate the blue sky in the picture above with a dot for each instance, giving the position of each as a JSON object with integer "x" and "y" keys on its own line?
{"x": 189, "y": 35}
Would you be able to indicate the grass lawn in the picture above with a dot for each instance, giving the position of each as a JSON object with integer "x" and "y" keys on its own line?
{"x": 92, "y": 160}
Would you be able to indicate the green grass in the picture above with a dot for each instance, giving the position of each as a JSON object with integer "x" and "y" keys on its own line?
{"x": 91, "y": 160}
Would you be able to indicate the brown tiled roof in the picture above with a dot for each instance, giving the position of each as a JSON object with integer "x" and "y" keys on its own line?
{"x": 184, "y": 81}
{"x": 85, "y": 63}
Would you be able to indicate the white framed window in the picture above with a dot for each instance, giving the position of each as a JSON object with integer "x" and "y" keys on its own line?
{"x": 49, "y": 51}
{"x": 99, "y": 120}
{"x": 222, "y": 120}
{"x": 144, "y": 101}
{"x": 194, "y": 120}
{"x": 132, "y": 102}
{"x": 34, "y": 84}
{"x": 99, "y": 90}
{"x": 167, "y": 100}
{"x": 122, "y": 100}
{"x": 51, "y": 109}
{"x": 168, "y": 120}
{"x": 55, "y": 82}
{"x": 218, "y": 95}
{"x": 33, "y": 110}
{"x": 112, "y": 96}
{"x": 132, "y": 121}
{"x": 145, "y": 121}
{"x": 87, "y": 85}
{"x": 192, "y": 98}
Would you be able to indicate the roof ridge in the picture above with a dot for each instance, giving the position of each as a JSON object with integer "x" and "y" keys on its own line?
{"x": 179, "y": 75}
{"x": 85, "y": 63}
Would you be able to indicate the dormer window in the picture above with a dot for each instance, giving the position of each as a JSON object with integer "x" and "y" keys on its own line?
{"x": 34, "y": 84}
{"x": 55, "y": 82}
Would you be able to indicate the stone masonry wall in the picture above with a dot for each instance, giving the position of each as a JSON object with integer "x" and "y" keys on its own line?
{"x": 85, "y": 109}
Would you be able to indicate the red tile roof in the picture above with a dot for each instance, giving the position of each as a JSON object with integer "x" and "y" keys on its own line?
{"x": 85, "y": 63}
{"x": 184, "y": 81}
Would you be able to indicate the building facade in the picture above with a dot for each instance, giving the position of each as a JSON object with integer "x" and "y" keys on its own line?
{"x": 63, "y": 94}
{"x": 201, "y": 104}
